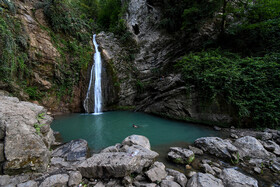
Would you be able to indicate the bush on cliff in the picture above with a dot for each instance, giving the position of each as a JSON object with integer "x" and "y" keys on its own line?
{"x": 251, "y": 85}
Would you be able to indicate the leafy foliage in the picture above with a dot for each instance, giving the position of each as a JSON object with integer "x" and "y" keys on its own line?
{"x": 251, "y": 85}
{"x": 13, "y": 57}
{"x": 63, "y": 18}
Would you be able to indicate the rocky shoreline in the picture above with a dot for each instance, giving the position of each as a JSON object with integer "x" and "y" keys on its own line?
{"x": 242, "y": 158}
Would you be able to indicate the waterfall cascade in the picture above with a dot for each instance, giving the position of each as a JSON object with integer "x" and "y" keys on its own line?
{"x": 96, "y": 75}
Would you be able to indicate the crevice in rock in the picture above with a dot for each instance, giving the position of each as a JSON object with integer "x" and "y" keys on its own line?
{"x": 136, "y": 29}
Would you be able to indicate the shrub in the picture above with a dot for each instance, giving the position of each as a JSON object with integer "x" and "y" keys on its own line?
{"x": 250, "y": 85}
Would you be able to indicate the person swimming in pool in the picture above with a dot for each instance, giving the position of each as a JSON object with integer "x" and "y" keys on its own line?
{"x": 134, "y": 126}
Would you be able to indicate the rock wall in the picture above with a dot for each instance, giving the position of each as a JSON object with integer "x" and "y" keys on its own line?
{"x": 25, "y": 136}
{"x": 150, "y": 83}
{"x": 47, "y": 65}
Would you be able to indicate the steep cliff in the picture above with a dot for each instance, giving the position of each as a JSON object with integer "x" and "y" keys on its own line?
{"x": 149, "y": 82}
{"x": 40, "y": 63}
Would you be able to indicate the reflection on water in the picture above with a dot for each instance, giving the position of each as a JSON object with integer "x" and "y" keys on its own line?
{"x": 110, "y": 128}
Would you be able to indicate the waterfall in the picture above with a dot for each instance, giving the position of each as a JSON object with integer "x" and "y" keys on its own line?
{"x": 96, "y": 69}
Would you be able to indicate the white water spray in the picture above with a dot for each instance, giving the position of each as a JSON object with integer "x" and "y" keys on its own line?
{"x": 96, "y": 67}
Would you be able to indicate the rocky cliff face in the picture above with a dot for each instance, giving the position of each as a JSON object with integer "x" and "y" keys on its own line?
{"x": 52, "y": 79}
{"x": 149, "y": 82}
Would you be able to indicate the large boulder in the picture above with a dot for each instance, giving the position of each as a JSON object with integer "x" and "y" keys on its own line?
{"x": 157, "y": 172}
{"x": 249, "y": 146}
{"x": 26, "y": 149}
{"x": 147, "y": 155}
{"x": 168, "y": 183}
{"x": 272, "y": 147}
{"x": 120, "y": 160}
{"x": 137, "y": 140}
{"x": 233, "y": 178}
{"x": 180, "y": 178}
{"x": 76, "y": 150}
{"x": 204, "y": 180}
{"x": 180, "y": 155}
{"x": 55, "y": 180}
{"x": 106, "y": 165}
{"x": 217, "y": 146}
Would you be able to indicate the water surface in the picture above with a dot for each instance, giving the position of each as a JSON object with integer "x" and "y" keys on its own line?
{"x": 110, "y": 128}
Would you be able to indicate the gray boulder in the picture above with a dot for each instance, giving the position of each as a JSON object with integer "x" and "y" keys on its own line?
{"x": 180, "y": 155}
{"x": 217, "y": 146}
{"x": 157, "y": 172}
{"x": 55, "y": 180}
{"x": 207, "y": 169}
{"x": 180, "y": 178}
{"x": 17, "y": 120}
{"x": 6, "y": 180}
{"x": 168, "y": 183}
{"x": 76, "y": 150}
{"x": 195, "y": 150}
{"x": 272, "y": 147}
{"x": 137, "y": 140}
{"x": 106, "y": 165}
{"x": 75, "y": 178}
{"x": 233, "y": 178}
{"x": 204, "y": 180}
{"x": 147, "y": 156}
{"x": 30, "y": 183}
{"x": 250, "y": 147}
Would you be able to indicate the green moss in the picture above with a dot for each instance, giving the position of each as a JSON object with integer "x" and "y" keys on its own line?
{"x": 190, "y": 159}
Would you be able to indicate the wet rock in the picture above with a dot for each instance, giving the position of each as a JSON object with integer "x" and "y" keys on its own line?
{"x": 257, "y": 170}
{"x": 217, "y": 170}
{"x": 167, "y": 183}
{"x": 180, "y": 155}
{"x": 207, "y": 169}
{"x": 204, "y": 180}
{"x": 233, "y": 136}
{"x": 75, "y": 178}
{"x": 233, "y": 178}
{"x": 250, "y": 147}
{"x": 217, "y": 146}
{"x": 137, "y": 140}
{"x": 157, "y": 172}
{"x": 180, "y": 178}
{"x": 276, "y": 166}
{"x": 76, "y": 150}
{"x": 106, "y": 165}
{"x": 216, "y": 128}
{"x": 195, "y": 150}
{"x": 55, "y": 180}
{"x": 30, "y": 183}
{"x": 191, "y": 173}
{"x": 272, "y": 147}
{"x": 256, "y": 162}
